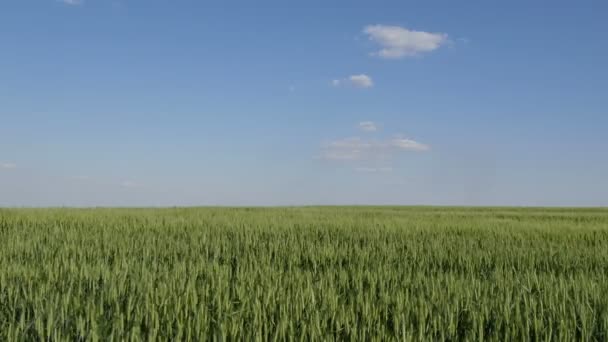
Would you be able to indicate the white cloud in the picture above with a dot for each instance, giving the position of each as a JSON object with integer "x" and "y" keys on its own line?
{"x": 337, "y": 154}
{"x": 345, "y": 149}
{"x": 357, "y": 149}
{"x": 358, "y": 81}
{"x": 399, "y": 42}
{"x": 408, "y": 145}
{"x": 8, "y": 166}
{"x": 369, "y": 155}
{"x": 361, "y": 81}
{"x": 72, "y": 2}
{"x": 368, "y": 126}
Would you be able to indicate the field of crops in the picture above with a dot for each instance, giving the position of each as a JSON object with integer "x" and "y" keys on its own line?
{"x": 348, "y": 273}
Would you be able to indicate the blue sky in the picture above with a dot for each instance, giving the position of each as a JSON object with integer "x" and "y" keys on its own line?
{"x": 159, "y": 103}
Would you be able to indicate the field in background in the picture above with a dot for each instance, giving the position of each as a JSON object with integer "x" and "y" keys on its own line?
{"x": 324, "y": 273}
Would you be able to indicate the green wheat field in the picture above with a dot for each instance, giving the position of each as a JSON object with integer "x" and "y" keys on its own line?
{"x": 310, "y": 273}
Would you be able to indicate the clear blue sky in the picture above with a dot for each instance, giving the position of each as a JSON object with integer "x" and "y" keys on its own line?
{"x": 142, "y": 103}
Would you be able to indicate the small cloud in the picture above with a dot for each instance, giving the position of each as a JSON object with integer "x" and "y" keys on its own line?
{"x": 409, "y": 145}
{"x": 72, "y": 2}
{"x": 8, "y": 166}
{"x": 398, "y": 42}
{"x": 368, "y": 126}
{"x": 351, "y": 143}
{"x": 351, "y": 149}
{"x": 358, "y": 81}
{"x": 345, "y": 149}
{"x": 374, "y": 169}
{"x": 361, "y": 81}
{"x": 369, "y": 155}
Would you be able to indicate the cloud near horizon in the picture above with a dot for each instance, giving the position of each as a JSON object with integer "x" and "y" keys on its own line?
{"x": 370, "y": 155}
{"x": 356, "y": 148}
{"x": 368, "y": 126}
{"x": 357, "y": 81}
{"x": 398, "y": 42}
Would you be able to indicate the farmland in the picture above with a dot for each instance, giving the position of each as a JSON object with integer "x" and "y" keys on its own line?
{"x": 322, "y": 273}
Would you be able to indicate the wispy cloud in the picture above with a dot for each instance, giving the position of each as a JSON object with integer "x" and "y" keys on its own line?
{"x": 72, "y": 2}
{"x": 358, "y": 81}
{"x": 408, "y": 145}
{"x": 8, "y": 166}
{"x": 398, "y": 42}
{"x": 345, "y": 149}
{"x": 369, "y": 155}
{"x": 368, "y": 126}
{"x": 358, "y": 149}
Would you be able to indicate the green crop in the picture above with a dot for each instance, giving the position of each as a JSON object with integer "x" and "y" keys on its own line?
{"x": 343, "y": 273}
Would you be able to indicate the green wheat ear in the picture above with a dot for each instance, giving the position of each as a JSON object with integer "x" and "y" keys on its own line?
{"x": 300, "y": 274}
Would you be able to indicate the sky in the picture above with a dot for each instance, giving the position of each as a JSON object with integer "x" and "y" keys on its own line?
{"x": 242, "y": 103}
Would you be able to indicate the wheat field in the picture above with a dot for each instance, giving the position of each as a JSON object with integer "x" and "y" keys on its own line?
{"x": 306, "y": 273}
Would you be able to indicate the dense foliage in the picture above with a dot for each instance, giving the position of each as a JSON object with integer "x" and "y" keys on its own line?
{"x": 362, "y": 273}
